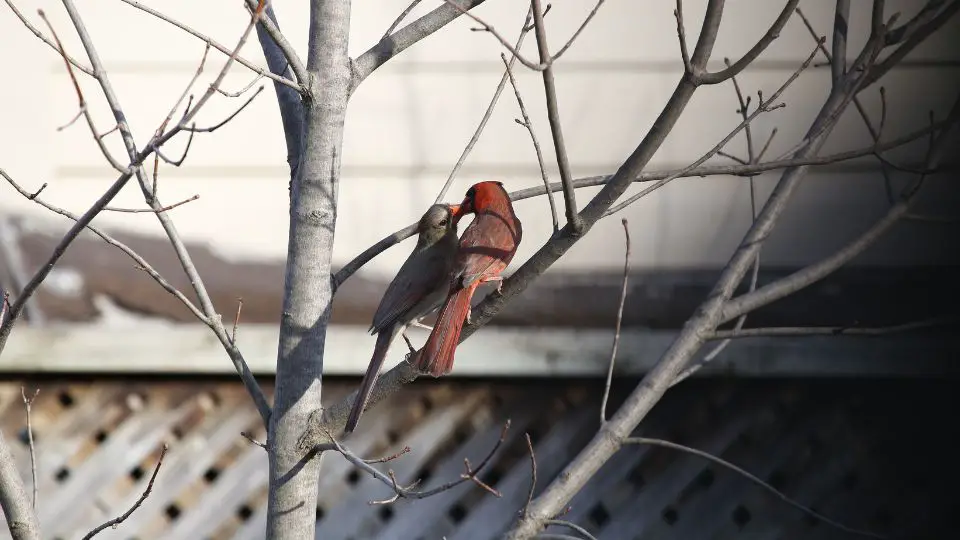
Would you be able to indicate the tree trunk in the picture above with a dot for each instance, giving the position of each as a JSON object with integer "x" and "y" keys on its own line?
{"x": 307, "y": 290}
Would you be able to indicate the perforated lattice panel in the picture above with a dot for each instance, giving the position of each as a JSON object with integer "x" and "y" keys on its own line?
{"x": 873, "y": 455}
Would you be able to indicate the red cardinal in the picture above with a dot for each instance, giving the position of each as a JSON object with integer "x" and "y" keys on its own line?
{"x": 418, "y": 288}
{"x": 486, "y": 248}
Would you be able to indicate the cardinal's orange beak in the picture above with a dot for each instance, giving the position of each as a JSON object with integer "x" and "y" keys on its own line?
{"x": 457, "y": 211}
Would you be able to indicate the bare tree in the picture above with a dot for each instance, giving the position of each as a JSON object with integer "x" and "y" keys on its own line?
{"x": 313, "y": 97}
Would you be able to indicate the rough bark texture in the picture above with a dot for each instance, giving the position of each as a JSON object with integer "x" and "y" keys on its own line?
{"x": 21, "y": 520}
{"x": 307, "y": 298}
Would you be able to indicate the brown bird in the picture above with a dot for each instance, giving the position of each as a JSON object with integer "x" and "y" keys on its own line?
{"x": 486, "y": 248}
{"x": 418, "y": 288}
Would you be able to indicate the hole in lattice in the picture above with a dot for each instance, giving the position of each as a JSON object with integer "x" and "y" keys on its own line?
{"x": 172, "y": 511}
{"x": 777, "y": 479}
{"x": 457, "y": 512}
{"x": 24, "y": 437}
{"x": 425, "y": 475}
{"x": 670, "y": 515}
{"x": 320, "y": 513}
{"x": 211, "y": 474}
{"x": 492, "y": 475}
{"x": 177, "y": 433}
{"x": 100, "y": 436}
{"x": 62, "y": 474}
{"x": 599, "y": 515}
{"x": 65, "y": 399}
{"x": 136, "y": 473}
{"x": 386, "y": 513}
{"x": 460, "y": 435}
{"x": 850, "y": 480}
{"x": 427, "y": 403}
{"x": 353, "y": 477}
{"x": 214, "y": 398}
{"x": 392, "y": 437}
{"x": 636, "y": 478}
{"x": 741, "y": 516}
{"x": 705, "y": 478}
{"x": 244, "y": 512}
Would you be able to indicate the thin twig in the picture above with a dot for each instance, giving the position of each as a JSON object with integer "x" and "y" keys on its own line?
{"x": 544, "y": 64}
{"x": 395, "y": 238}
{"x": 240, "y": 60}
{"x": 151, "y": 210}
{"x": 146, "y": 493}
{"x": 682, "y": 35}
{"x": 616, "y": 333}
{"x": 226, "y": 120}
{"x": 765, "y": 106}
{"x": 28, "y": 405}
{"x": 801, "y": 331}
{"x": 84, "y": 110}
{"x": 236, "y": 321}
{"x": 400, "y": 18}
{"x": 407, "y": 492}
{"x": 253, "y": 440}
{"x": 533, "y": 474}
{"x": 526, "y": 123}
{"x": 486, "y": 115}
{"x": 36, "y": 31}
{"x": 573, "y": 526}
{"x": 753, "y": 478}
{"x": 553, "y": 115}
{"x": 140, "y": 262}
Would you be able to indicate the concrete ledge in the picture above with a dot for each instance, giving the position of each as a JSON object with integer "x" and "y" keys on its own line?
{"x": 493, "y": 352}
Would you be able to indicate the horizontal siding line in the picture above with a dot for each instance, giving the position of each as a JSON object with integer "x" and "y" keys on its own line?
{"x": 411, "y": 171}
{"x": 524, "y": 352}
{"x": 474, "y": 66}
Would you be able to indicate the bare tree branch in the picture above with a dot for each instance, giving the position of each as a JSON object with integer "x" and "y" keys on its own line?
{"x": 83, "y": 102}
{"x": 471, "y": 474}
{"x": 698, "y": 172}
{"x": 28, "y": 405}
{"x": 544, "y": 64}
{"x": 917, "y": 37}
{"x": 140, "y": 261}
{"x": 707, "y": 316}
{"x": 21, "y": 519}
{"x": 616, "y": 333}
{"x": 762, "y": 107}
{"x": 486, "y": 115}
{"x": 841, "y": 18}
{"x": 13, "y": 261}
{"x": 261, "y": 72}
{"x": 525, "y": 122}
{"x": 800, "y": 331}
{"x": 703, "y": 77}
{"x": 269, "y": 25}
{"x": 815, "y": 272}
{"x": 36, "y": 31}
{"x": 553, "y": 115}
{"x": 400, "y": 18}
{"x": 146, "y": 493}
{"x": 397, "y": 42}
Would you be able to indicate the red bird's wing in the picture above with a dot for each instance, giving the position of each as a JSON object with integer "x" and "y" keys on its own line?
{"x": 488, "y": 245}
{"x": 421, "y": 274}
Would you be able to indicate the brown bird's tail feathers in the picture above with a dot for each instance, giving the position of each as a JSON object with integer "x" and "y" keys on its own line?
{"x": 436, "y": 356}
{"x": 370, "y": 378}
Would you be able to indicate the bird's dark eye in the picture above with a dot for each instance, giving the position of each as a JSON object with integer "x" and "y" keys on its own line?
{"x": 443, "y": 222}
{"x": 472, "y": 192}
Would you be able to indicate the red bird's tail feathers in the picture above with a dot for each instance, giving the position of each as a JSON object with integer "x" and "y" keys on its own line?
{"x": 436, "y": 356}
{"x": 373, "y": 372}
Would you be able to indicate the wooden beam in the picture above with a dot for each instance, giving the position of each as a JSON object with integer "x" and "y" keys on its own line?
{"x": 495, "y": 352}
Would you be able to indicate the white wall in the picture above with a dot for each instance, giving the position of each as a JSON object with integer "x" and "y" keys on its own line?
{"x": 408, "y": 123}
